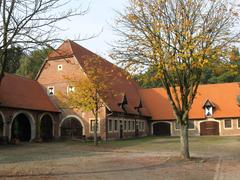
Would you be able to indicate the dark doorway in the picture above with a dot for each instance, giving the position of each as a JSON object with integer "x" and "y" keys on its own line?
{"x": 209, "y": 128}
{"x": 137, "y": 130}
{"x": 161, "y": 129}
{"x": 1, "y": 126}
{"x": 71, "y": 128}
{"x": 46, "y": 128}
{"x": 21, "y": 128}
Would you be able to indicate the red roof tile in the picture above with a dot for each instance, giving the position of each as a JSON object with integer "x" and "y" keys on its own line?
{"x": 223, "y": 96}
{"x": 19, "y": 92}
{"x": 120, "y": 83}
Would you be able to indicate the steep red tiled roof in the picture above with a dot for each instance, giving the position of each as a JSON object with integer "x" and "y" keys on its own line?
{"x": 120, "y": 83}
{"x": 223, "y": 96}
{"x": 19, "y": 92}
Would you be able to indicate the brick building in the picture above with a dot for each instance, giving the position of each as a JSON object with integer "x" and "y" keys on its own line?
{"x": 25, "y": 109}
{"x": 124, "y": 114}
{"x": 32, "y": 104}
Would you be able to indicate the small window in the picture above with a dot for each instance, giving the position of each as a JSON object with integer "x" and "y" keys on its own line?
{"x": 239, "y": 123}
{"x": 208, "y": 111}
{"x": 125, "y": 125}
{"x": 116, "y": 125}
{"x": 109, "y": 125}
{"x": 60, "y": 67}
{"x": 133, "y": 125}
{"x": 138, "y": 125}
{"x": 143, "y": 126}
{"x": 50, "y": 90}
{"x": 129, "y": 125}
{"x": 92, "y": 125}
{"x": 228, "y": 123}
{"x": 70, "y": 89}
{"x": 190, "y": 124}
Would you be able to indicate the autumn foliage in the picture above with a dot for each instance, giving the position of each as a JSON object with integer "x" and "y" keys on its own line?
{"x": 179, "y": 39}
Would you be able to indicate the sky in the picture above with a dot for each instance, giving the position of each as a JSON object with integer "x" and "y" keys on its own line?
{"x": 98, "y": 20}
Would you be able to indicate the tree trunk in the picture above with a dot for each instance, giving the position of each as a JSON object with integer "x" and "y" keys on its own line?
{"x": 95, "y": 130}
{"x": 184, "y": 141}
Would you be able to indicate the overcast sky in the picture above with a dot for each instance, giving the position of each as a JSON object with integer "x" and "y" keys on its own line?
{"x": 101, "y": 14}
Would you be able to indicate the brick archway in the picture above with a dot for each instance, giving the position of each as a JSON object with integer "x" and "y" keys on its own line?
{"x": 75, "y": 126}
{"x": 29, "y": 119}
{"x": 161, "y": 129}
{"x": 46, "y": 127}
{"x": 2, "y": 125}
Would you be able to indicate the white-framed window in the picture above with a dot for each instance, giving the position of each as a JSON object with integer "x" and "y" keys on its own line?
{"x": 208, "y": 111}
{"x": 238, "y": 123}
{"x": 110, "y": 125}
{"x": 50, "y": 90}
{"x": 70, "y": 89}
{"x": 227, "y": 123}
{"x": 115, "y": 125}
{"x": 60, "y": 67}
{"x": 129, "y": 125}
{"x": 92, "y": 125}
{"x": 125, "y": 125}
{"x": 132, "y": 126}
{"x": 138, "y": 125}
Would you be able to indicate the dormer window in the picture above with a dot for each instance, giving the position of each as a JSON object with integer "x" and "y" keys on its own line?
{"x": 208, "y": 111}
{"x": 123, "y": 102}
{"x": 139, "y": 106}
{"x": 208, "y": 108}
{"x": 70, "y": 89}
{"x": 50, "y": 90}
{"x": 60, "y": 67}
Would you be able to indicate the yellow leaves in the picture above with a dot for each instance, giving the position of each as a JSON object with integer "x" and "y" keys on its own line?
{"x": 132, "y": 17}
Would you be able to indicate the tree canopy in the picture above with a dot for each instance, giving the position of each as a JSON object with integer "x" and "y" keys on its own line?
{"x": 13, "y": 55}
{"x": 31, "y": 63}
{"x": 221, "y": 72}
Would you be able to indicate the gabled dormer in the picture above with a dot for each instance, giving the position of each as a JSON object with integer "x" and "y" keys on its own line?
{"x": 209, "y": 108}
{"x": 123, "y": 102}
{"x": 139, "y": 106}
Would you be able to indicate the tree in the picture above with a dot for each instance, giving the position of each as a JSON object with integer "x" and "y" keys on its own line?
{"x": 30, "y": 23}
{"x": 219, "y": 72}
{"x": 148, "y": 78}
{"x": 13, "y": 56}
{"x": 180, "y": 38}
{"x": 89, "y": 91}
{"x": 30, "y": 64}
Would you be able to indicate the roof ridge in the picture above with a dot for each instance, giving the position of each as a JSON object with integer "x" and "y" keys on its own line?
{"x": 210, "y": 84}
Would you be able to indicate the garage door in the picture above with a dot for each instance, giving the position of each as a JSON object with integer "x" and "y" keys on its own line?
{"x": 161, "y": 129}
{"x": 209, "y": 128}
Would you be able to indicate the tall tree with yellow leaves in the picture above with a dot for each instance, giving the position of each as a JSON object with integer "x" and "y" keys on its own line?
{"x": 179, "y": 38}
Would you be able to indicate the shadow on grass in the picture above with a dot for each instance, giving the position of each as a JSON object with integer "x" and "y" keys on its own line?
{"x": 170, "y": 163}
